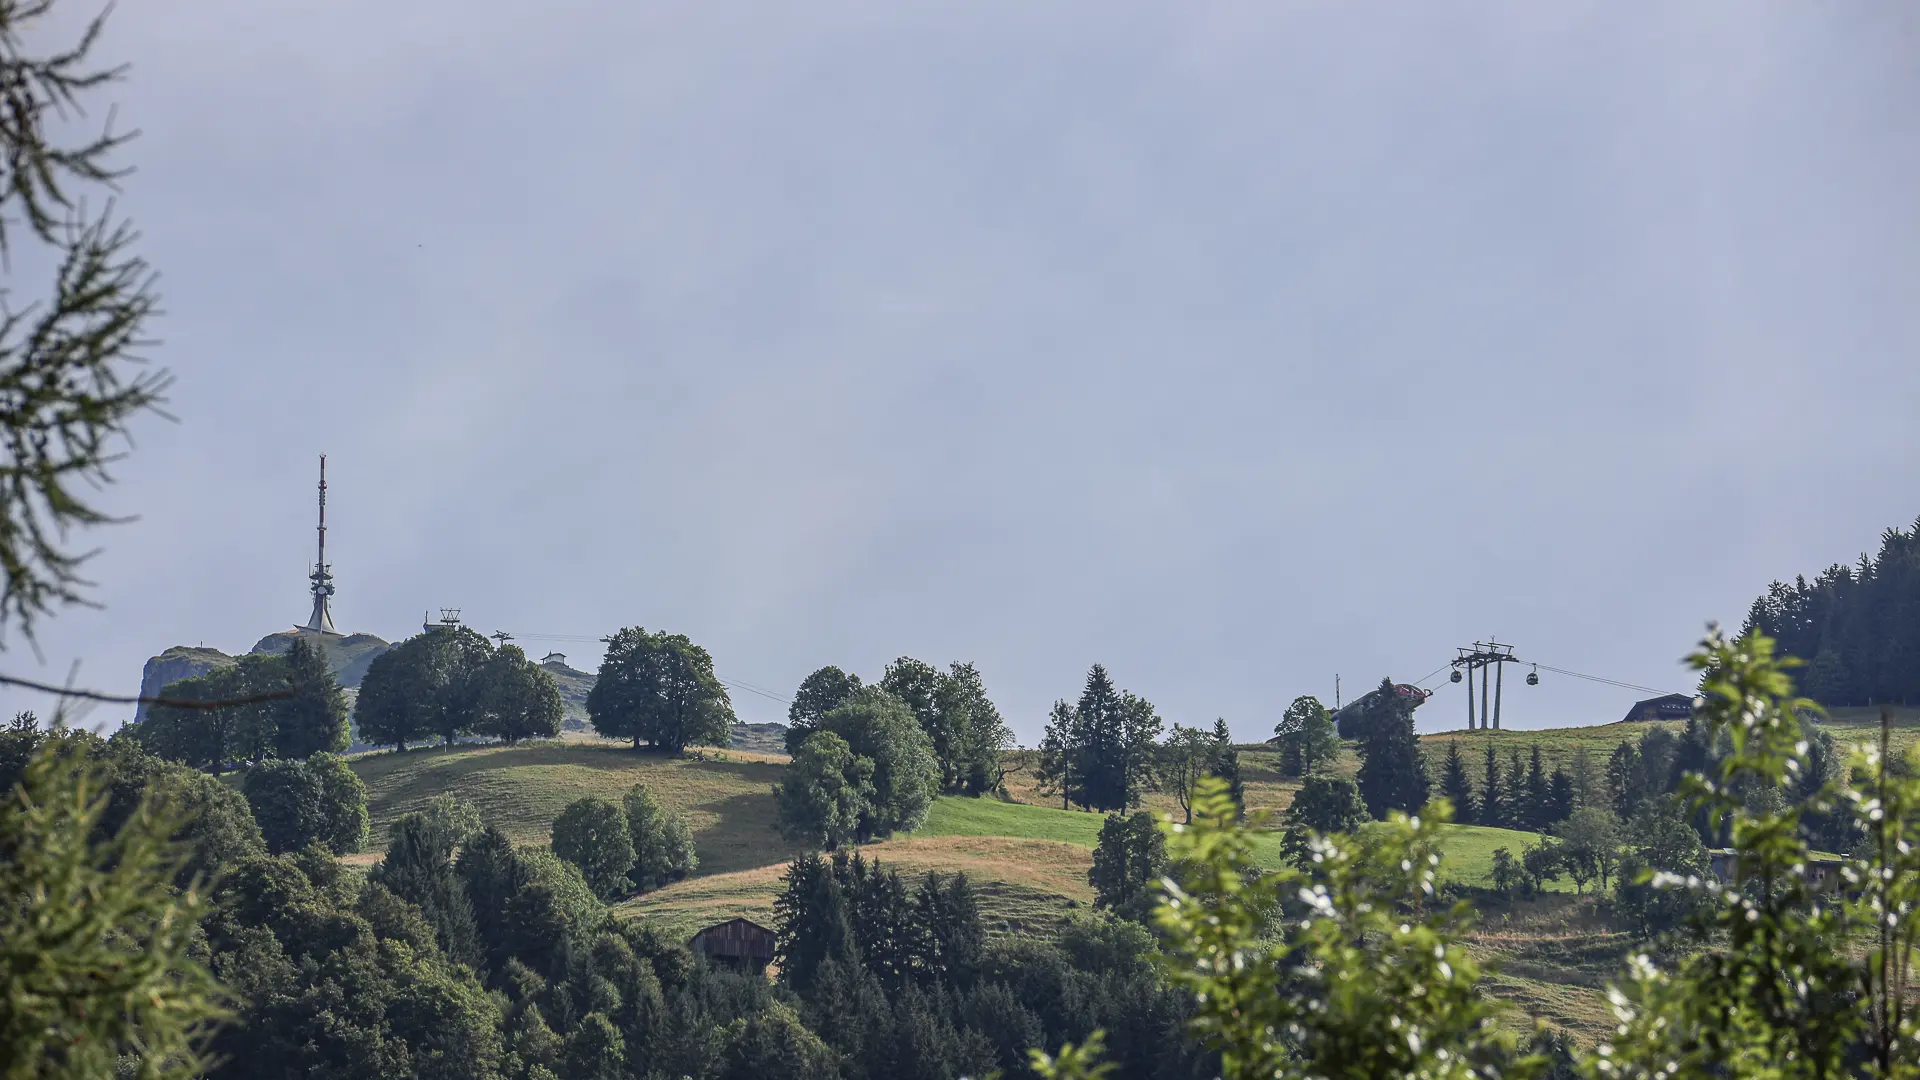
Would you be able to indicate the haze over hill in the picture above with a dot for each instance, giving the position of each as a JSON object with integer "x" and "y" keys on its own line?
{"x": 1232, "y": 346}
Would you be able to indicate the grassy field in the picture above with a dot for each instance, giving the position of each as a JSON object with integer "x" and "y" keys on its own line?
{"x": 1028, "y": 862}
{"x": 727, "y": 796}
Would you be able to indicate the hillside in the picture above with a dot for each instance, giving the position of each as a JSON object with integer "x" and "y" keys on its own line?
{"x": 1029, "y": 862}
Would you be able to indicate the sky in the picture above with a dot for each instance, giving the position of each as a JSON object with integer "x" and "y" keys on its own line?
{"x": 1235, "y": 346}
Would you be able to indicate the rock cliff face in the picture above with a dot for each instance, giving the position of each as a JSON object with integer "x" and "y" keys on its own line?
{"x": 347, "y": 656}
{"x": 573, "y": 693}
{"x": 179, "y": 662}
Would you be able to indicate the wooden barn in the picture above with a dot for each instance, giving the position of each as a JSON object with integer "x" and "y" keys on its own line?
{"x": 737, "y": 943}
{"x": 1670, "y": 707}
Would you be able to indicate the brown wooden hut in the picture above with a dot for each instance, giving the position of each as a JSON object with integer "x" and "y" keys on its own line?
{"x": 738, "y": 943}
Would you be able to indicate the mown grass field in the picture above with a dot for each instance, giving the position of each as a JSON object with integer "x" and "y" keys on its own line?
{"x": 727, "y": 796}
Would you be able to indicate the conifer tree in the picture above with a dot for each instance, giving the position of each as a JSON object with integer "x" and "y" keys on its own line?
{"x": 1560, "y": 798}
{"x": 1058, "y": 753}
{"x": 1456, "y": 787}
{"x": 1393, "y": 772}
{"x": 1586, "y": 779}
{"x": 1626, "y": 789}
{"x": 1495, "y": 805}
{"x": 1226, "y": 763}
{"x": 1519, "y": 806}
{"x": 1102, "y": 745}
{"x": 1539, "y": 793}
{"x": 314, "y": 719}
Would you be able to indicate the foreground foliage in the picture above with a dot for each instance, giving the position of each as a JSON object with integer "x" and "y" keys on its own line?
{"x": 96, "y": 941}
{"x": 1351, "y": 967}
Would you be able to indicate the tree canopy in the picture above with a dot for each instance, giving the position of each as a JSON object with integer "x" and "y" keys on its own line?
{"x": 879, "y": 728}
{"x": 660, "y": 689}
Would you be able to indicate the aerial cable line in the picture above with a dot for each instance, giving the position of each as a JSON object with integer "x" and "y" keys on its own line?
{"x": 1609, "y": 682}
{"x": 734, "y": 683}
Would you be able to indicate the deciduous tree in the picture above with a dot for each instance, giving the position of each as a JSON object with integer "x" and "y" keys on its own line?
{"x": 1307, "y": 738}
{"x": 1323, "y": 806}
{"x": 663, "y": 849}
{"x": 824, "y": 793}
{"x": 289, "y": 802}
{"x": 820, "y": 693}
{"x": 592, "y": 834}
{"x": 518, "y": 698}
{"x": 1128, "y": 861}
{"x": 880, "y": 728}
{"x": 1591, "y": 840}
{"x": 1184, "y": 759}
{"x": 660, "y": 689}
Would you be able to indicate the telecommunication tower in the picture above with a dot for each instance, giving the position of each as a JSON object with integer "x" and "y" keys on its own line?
{"x": 320, "y": 576}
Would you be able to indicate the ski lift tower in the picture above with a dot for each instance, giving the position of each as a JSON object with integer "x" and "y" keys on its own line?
{"x": 1479, "y": 657}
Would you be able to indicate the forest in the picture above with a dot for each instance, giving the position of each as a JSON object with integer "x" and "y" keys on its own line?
{"x": 1858, "y": 626}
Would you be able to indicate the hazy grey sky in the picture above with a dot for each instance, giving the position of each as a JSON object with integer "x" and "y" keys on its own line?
{"x": 1232, "y": 345}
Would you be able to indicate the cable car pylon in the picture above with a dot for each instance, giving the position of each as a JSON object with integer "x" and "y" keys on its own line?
{"x": 1480, "y": 656}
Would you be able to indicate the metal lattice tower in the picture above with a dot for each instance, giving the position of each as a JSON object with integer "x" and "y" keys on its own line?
{"x": 321, "y": 576}
{"x": 1481, "y": 656}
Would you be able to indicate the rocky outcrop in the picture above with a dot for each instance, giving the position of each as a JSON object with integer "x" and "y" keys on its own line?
{"x": 179, "y": 662}
{"x": 348, "y": 656}
{"x": 573, "y": 685}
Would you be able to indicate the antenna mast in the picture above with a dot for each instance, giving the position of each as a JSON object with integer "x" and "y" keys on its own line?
{"x": 321, "y": 576}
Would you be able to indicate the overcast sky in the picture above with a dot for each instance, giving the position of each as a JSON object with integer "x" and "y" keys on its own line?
{"x": 1232, "y": 345}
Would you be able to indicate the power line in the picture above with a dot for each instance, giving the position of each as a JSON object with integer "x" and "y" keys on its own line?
{"x": 139, "y": 699}
{"x": 1609, "y": 682}
{"x": 736, "y": 684}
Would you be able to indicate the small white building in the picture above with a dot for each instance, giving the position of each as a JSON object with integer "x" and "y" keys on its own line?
{"x": 554, "y": 659}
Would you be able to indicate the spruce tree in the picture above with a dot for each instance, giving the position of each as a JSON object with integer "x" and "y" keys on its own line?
{"x": 1099, "y": 758}
{"x": 1058, "y": 752}
{"x": 1226, "y": 763}
{"x": 1539, "y": 794}
{"x": 1585, "y": 778}
{"x": 1393, "y": 773}
{"x": 314, "y": 719}
{"x": 1494, "y": 802}
{"x": 1560, "y": 797}
{"x": 1456, "y": 787}
{"x": 1519, "y": 809}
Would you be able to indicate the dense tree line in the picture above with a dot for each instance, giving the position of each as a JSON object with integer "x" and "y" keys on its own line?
{"x": 449, "y": 682}
{"x": 1857, "y": 627}
{"x": 865, "y": 770}
{"x": 290, "y": 706}
{"x": 964, "y": 730}
{"x": 1099, "y": 753}
{"x": 1522, "y": 794}
{"x": 634, "y": 846}
{"x": 902, "y": 980}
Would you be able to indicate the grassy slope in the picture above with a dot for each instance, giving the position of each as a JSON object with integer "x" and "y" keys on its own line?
{"x": 1029, "y": 862}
